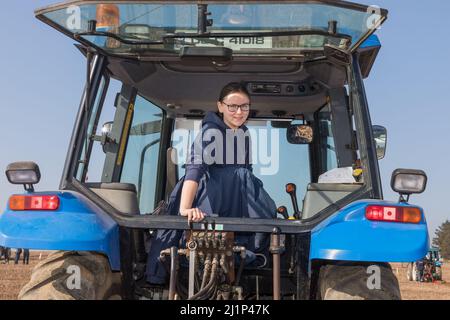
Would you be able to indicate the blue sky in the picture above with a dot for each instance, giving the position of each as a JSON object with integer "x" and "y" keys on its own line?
{"x": 42, "y": 76}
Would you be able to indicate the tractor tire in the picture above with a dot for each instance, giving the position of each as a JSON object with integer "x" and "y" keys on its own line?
{"x": 345, "y": 281}
{"x": 53, "y": 278}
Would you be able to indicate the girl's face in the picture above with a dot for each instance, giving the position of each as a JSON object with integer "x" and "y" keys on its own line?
{"x": 234, "y": 119}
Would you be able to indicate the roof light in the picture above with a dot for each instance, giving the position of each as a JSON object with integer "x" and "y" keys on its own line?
{"x": 394, "y": 214}
{"x": 408, "y": 181}
{"x": 108, "y": 20}
{"x": 23, "y": 173}
{"x": 108, "y": 16}
{"x": 34, "y": 203}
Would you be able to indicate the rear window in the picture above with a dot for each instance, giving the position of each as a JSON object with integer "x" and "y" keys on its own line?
{"x": 275, "y": 161}
{"x": 147, "y": 21}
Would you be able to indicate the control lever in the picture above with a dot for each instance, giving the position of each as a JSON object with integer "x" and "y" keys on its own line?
{"x": 291, "y": 189}
{"x": 283, "y": 211}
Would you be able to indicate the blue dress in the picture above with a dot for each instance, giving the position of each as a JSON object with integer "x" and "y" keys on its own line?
{"x": 227, "y": 188}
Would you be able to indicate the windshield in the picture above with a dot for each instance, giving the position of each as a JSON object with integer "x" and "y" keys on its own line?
{"x": 275, "y": 161}
{"x": 151, "y": 22}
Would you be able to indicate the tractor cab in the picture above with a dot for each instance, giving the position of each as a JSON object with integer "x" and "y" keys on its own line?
{"x": 154, "y": 70}
{"x": 170, "y": 61}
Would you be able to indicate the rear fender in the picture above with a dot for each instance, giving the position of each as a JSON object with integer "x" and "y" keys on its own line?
{"x": 78, "y": 225}
{"x": 349, "y": 236}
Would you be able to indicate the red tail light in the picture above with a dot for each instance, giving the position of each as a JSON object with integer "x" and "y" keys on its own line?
{"x": 393, "y": 214}
{"x": 34, "y": 203}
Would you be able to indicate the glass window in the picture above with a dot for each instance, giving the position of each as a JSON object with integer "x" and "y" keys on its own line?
{"x": 275, "y": 161}
{"x": 142, "y": 155}
{"x": 99, "y": 116}
{"x": 145, "y": 20}
{"x": 327, "y": 146}
{"x": 82, "y": 166}
{"x": 278, "y": 162}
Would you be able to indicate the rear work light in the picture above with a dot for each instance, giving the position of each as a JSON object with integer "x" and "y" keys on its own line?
{"x": 34, "y": 203}
{"x": 394, "y": 214}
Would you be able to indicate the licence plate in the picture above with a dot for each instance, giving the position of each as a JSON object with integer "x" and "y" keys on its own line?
{"x": 234, "y": 43}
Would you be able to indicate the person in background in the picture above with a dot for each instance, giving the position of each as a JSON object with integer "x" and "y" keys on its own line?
{"x": 5, "y": 253}
{"x": 420, "y": 268}
{"x": 26, "y": 256}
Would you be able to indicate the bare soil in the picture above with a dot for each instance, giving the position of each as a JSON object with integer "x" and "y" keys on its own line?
{"x": 14, "y": 277}
{"x": 412, "y": 290}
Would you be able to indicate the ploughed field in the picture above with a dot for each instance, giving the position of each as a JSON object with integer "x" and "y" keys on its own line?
{"x": 14, "y": 277}
{"x": 412, "y": 290}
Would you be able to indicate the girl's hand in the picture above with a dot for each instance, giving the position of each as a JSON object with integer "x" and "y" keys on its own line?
{"x": 194, "y": 214}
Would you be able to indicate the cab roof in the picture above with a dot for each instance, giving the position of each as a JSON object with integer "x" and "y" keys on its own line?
{"x": 278, "y": 43}
{"x": 145, "y": 29}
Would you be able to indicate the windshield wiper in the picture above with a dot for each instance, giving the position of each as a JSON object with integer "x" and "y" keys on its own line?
{"x": 132, "y": 40}
{"x": 312, "y": 32}
{"x": 135, "y": 41}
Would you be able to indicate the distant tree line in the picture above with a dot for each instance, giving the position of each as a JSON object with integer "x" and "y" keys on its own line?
{"x": 442, "y": 239}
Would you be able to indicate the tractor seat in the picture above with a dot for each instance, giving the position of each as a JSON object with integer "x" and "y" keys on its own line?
{"x": 122, "y": 196}
{"x": 172, "y": 171}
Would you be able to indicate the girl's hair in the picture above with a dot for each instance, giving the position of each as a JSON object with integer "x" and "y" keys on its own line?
{"x": 233, "y": 87}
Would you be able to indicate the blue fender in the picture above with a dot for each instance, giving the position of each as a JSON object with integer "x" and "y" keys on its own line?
{"x": 78, "y": 225}
{"x": 349, "y": 236}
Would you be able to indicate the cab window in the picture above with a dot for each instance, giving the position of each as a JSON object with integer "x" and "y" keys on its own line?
{"x": 142, "y": 155}
{"x": 326, "y": 140}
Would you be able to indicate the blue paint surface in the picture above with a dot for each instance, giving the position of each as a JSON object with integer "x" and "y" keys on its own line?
{"x": 349, "y": 236}
{"x": 78, "y": 225}
{"x": 372, "y": 41}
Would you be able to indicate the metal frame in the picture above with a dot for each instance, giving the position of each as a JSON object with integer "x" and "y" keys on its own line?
{"x": 335, "y": 3}
{"x": 371, "y": 188}
{"x": 90, "y": 143}
{"x": 364, "y": 133}
{"x": 76, "y": 145}
{"x": 207, "y": 35}
{"x": 166, "y": 132}
{"x": 123, "y": 118}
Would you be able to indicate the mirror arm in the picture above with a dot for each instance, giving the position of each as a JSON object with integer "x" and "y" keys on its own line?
{"x": 107, "y": 139}
{"x": 402, "y": 199}
{"x": 28, "y": 187}
{"x": 104, "y": 139}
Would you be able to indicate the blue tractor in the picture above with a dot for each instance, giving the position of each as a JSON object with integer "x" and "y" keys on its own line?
{"x": 428, "y": 268}
{"x": 154, "y": 69}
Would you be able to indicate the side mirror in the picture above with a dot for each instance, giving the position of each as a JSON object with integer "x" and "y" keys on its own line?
{"x": 106, "y": 129}
{"x": 407, "y": 182}
{"x": 380, "y": 137}
{"x": 106, "y": 135}
{"x": 299, "y": 134}
{"x": 25, "y": 173}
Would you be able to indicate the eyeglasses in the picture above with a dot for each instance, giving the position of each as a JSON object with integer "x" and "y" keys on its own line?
{"x": 234, "y": 107}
